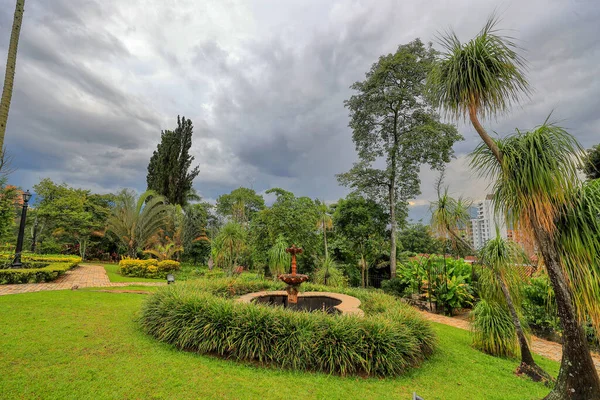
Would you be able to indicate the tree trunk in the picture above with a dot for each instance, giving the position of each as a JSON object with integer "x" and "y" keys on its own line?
{"x": 393, "y": 233}
{"x": 577, "y": 378}
{"x": 528, "y": 365}
{"x": 325, "y": 236}
{"x": 483, "y": 134}
{"x": 11, "y": 65}
{"x": 363, "y": 268}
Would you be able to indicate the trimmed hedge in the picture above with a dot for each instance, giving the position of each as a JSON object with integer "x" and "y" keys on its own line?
{"x": 28, "y": 275}
{"x": 201, "y": 316}
{"x": 151, "y": 268}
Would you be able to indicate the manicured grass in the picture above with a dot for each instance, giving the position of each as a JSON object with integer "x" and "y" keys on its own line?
{"x": 84, "y": 344}
{"x": 112, "y": 270}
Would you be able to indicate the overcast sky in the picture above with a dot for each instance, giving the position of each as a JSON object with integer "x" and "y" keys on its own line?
{"x": 263, "y": 81}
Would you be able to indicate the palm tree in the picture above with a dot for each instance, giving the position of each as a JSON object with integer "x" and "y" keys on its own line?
{"x": 11, "y": 65}
{"x": 325, "y": 222}
{"x": 228, "y": 246}
{"x": 537, "y": 187}
{"x": 500, "y": 256}
{"x": 482, "y": 78}
{"x": 165, "y": 252}
{"x": 279, "y": 259}
{"x": 134, "y": 221}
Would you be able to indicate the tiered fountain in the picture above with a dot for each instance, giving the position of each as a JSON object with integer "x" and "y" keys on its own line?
{"x": 293, "y": 280}
{"x": 333, "y": 303}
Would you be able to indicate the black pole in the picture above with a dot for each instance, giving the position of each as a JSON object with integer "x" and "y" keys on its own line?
{"x": 17, "y": 261}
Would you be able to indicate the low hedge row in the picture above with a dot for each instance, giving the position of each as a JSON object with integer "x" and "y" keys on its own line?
{"x": 151, "y": 268}
{"x": 202, "y": 316}
{"x": 28, "y": 275}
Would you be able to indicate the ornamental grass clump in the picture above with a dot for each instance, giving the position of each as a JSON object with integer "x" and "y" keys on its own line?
{"x": 202, "y": 316}
{"x": 493, "y": 330}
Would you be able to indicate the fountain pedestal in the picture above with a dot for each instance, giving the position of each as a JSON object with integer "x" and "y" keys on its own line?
{"x": 293, "y": 280}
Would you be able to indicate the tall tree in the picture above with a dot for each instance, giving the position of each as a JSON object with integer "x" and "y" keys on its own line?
{"x": 325, "y": 223}
{"x": 169, "y": 171}
{"x": 135, "y": 220}
{"x": 295, "y": 219}
{"x": 11, "y": 65}
{"x": 392, "y": 121}
{"x": 482, "y": 78}
{"x": 591, "y": 163}
{"x": 196, "y": 235}
{"x": 240, "y": 205}
{"x": 363, "y": 223}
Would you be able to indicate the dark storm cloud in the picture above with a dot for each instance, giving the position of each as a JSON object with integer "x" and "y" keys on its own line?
{"x": 264, "y": 84}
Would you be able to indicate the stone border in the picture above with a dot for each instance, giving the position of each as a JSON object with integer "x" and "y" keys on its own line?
{"x": 349, "y": 305}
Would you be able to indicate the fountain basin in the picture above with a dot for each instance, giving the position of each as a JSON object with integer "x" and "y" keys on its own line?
{"x": 333, "y": 303}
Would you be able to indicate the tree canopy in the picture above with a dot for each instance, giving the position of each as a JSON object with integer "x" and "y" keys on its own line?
{"x": 169, "y": 171}
{"x": 240, "y": 205}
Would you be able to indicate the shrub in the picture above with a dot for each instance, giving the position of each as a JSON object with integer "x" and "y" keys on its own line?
{"x": 493, "y": 330}
{"x": 148, "y": 268}
{"x": 201, "y": 316}
{"x": 328, "y": 273}
{"x": 27, "y": 275}
{"x": 395, "y": 286}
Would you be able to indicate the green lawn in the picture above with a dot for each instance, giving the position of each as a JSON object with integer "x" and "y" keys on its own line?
{"x": 112, "y": 270}
{"x": 86, "y": 344}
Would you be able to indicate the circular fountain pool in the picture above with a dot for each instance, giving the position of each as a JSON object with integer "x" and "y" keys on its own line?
{"x": 332, "y": 303}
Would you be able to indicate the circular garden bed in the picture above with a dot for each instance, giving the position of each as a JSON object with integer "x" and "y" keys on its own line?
{"x": 203, "y": 316}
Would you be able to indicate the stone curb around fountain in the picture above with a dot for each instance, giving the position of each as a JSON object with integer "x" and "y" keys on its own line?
{"x": 349, "y": 305}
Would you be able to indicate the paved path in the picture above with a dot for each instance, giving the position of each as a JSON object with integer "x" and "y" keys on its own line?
{"x": 82, "y": 276}
{"x": 546, "y": 348}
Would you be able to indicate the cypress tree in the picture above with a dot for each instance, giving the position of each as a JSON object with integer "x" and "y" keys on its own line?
{"x": 169, "y": 171}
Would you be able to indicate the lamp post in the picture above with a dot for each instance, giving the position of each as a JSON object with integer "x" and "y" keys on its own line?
{"x": 17, "y": 261}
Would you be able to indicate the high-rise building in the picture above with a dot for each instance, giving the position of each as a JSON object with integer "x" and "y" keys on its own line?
{"x": 486, "y": 223}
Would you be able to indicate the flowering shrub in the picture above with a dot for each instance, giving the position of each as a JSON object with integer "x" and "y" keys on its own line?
{"x": 148, "y": 268}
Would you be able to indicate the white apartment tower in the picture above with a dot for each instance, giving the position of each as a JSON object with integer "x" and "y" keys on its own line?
{"x": 483, "y": 226}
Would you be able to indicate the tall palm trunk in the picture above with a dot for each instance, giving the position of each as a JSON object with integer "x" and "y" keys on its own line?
{"x": 577, "y": 378}
{"x": 393, "y": 232}
{"x": 528, "y": 365}
{"x": 483, "y": 134}
{"x": 11, "y": 64}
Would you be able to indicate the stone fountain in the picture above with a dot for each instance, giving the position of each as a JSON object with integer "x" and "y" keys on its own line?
{"x": 293, "y": 280}
{"x": 333, "y": 303}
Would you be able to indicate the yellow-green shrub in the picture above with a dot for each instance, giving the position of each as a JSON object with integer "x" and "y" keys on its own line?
{"x": 148, "y": 268}
{"x": 27, "y": 275}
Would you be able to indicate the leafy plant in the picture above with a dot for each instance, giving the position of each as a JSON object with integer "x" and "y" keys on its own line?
{"x": 328, "y": 273}
{"x": 165, "y": 252}
{"x": 493, "y": 330}
{"x": 279, "y": 259}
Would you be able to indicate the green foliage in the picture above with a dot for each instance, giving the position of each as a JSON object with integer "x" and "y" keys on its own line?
{"x": 485, "y": 74}
{"x": 8, "y": 197}
{"x": 539, "y": 305}
{"x": 196, "y": 232}
{"x": 294, "y": 218}
{"x": 279, "y": 259}
{"x": 148, "y": 268}
{"x": 328, "y": 273}
{"x": 493, "y": 330}
{"x": 362, "y": 223}
{"x": 418, "y": 238}
{"x": 169, "y": 169}
{"x": 134, "y": 221}
{"x": 53, "y": 267}
{"x": 395, "y": 286}
{"x": 73, "y": 217}
{"x": 388, "y": 341}
{"x": 229, "y": 247}
{"x": 591, "y": 163}
{"x": 240, "y": 205}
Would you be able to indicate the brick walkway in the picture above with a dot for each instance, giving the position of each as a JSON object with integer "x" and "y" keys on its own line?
{"x": 82, "y": 276}
{"x": 551, "y": 350}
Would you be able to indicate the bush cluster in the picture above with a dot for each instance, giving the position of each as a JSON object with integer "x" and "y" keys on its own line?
{"x": 151, "y": 268}
{"x": 202, "y": 316}
{"x": 36, "y": 268}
